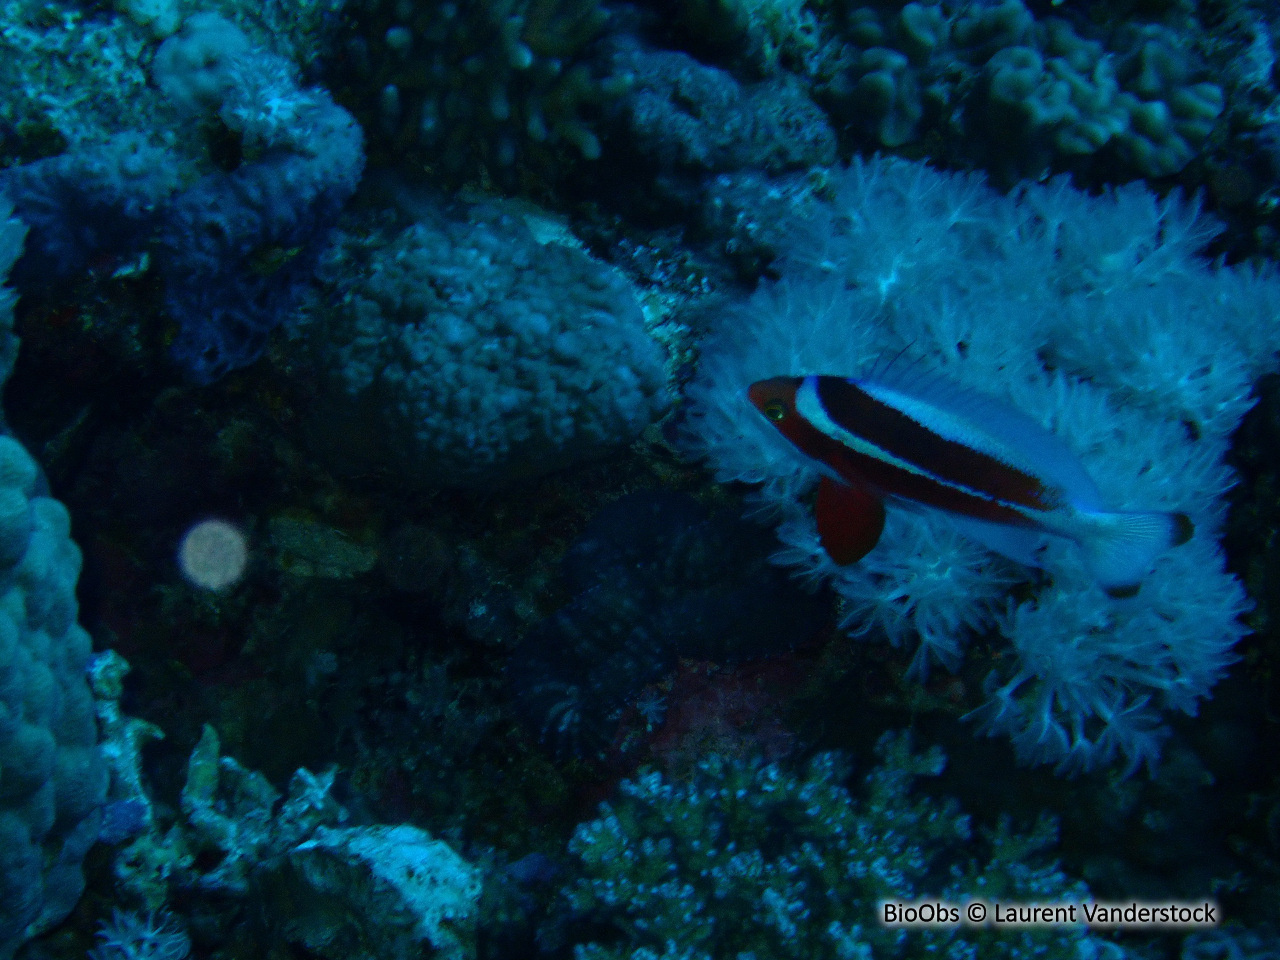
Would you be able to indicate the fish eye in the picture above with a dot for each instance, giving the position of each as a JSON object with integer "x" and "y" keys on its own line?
{"x": 775, "y": 410}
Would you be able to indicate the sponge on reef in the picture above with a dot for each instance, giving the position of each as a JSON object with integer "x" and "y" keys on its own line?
{"x": 101, "y": 199}
{"x": 239, "y": 247}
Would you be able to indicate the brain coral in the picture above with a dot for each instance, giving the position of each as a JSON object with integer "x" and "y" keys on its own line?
{"x": 464, "y": 350}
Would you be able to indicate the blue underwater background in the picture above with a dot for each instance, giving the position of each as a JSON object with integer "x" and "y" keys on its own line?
{"x": 392, "y": 566}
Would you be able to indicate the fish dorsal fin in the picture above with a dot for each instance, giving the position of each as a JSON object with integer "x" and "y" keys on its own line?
{"x": 983, "y": 423}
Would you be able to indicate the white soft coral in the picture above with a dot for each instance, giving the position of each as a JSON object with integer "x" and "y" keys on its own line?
{"x": 1094, "y": 316}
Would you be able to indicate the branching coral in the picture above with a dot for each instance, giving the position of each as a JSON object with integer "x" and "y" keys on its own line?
{"x": 748, "y": 859}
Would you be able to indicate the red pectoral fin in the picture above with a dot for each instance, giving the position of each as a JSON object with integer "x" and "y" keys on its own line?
{"x": 850, "y": 520}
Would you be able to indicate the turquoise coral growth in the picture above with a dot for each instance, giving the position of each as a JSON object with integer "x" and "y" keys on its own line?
{"x": 748, "y": 859}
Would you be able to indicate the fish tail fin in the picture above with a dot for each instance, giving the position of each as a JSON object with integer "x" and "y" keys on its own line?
{"x": 1122, "y": 546}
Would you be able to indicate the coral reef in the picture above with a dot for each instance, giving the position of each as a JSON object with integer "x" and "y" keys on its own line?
{"x": 71, "y": 79}
{"x": 1026, "y": 95}
{"x": 130, "y": 936}
{"x": 759, "y": 37}
{"x": 747, "y": 858}
{"x": 1231, "y": 942}
{"x": 12, "y": 233}
{"x": 463, "y": 87}
{"x": 237, "y": 248}
{"x": 381, "y": 891}
{"x": 750, "y": 214}
{"x": 1094, "y": 316}
{"x": 102, "y": 200}
{"x": 654, "y": 578}
{"x": 343, "y": 891}
{"x": 129, "y": 809}
{"x": 478, "y": 576}
{"x": 465, "y": 349}
{"x": 53, "y": 780}
{"x": 684, "y": 115}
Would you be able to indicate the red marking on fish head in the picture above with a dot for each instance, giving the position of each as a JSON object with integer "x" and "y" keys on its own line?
{"x": 776, "y": 400}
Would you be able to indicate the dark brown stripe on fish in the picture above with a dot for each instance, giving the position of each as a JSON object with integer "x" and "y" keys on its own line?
{"x": 950, "y": 461}
{"x": 897, "y": 481}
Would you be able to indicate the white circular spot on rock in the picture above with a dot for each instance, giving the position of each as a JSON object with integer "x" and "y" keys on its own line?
{"x": 213, "y": 554}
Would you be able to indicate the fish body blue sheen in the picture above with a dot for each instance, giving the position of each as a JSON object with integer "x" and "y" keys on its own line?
{"x": 914, "y": 437}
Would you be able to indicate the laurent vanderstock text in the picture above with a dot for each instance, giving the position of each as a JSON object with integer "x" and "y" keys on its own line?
{"x": 992, "y": 913}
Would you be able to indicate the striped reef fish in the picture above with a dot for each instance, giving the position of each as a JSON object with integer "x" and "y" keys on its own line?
{"x": 1004, "y": 479}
